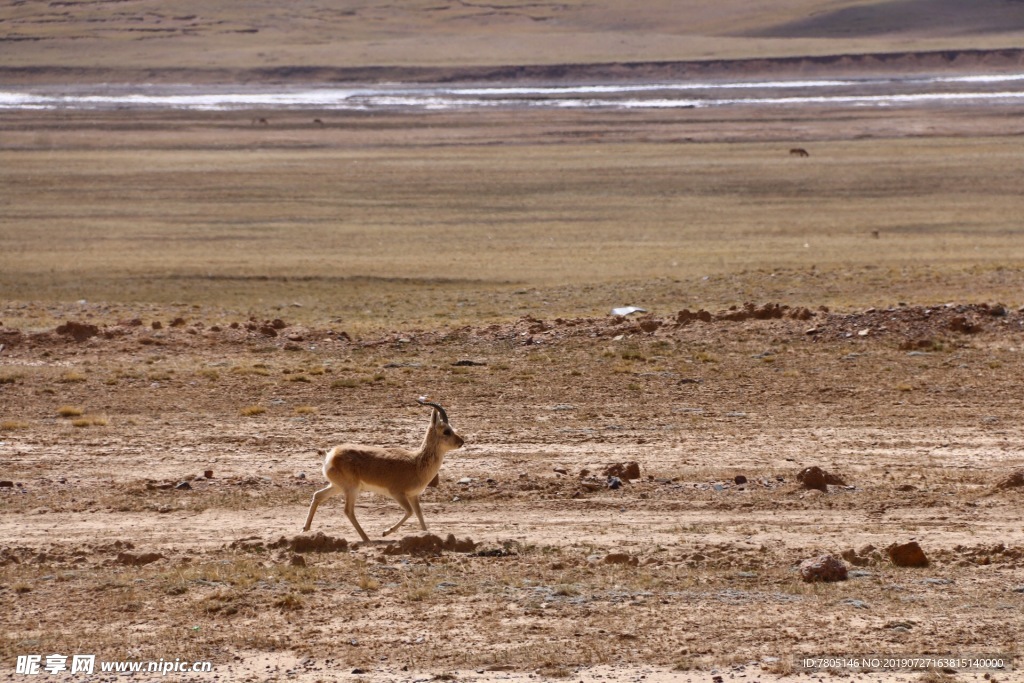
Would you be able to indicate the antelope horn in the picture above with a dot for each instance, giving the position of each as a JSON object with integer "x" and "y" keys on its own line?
{"x": 422, "y": 402}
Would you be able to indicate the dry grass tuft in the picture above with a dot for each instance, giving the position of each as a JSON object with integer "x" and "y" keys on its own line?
{"x": 252, "y": 411}
{"x": 70, "y": 411}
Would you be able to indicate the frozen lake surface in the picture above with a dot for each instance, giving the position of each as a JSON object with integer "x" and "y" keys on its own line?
{"x": 842, "y": 93}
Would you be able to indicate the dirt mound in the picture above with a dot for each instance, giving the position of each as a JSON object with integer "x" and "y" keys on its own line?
{"x": 1014, "y": 481}
{"x": 430, "y": 544}
{"x": 78, "y": 331}
{"x": 816, "y": 478}
{"x": 317, "y": 543}
{"x": 138, "y": 559}
{"x": 623, "y": 470}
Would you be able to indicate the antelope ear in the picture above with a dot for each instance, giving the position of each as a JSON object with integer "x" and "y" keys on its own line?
{"x": 435, "y": 418}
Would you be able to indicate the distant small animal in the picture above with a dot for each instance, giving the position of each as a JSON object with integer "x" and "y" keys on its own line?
{"x": 318, "y": 122}
{"x": 799, "y": 152}
{"x": 875, "y": 234}
{"x": 260, "y": 121}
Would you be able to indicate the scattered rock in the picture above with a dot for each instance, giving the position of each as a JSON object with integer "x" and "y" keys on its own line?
{"x": 907, "y": 555}
{"x": 297, "y": 560}
{"x": 468, "y": 363}
{"x": 138, "y": 559}
{"x": 6, "y": 484}
{"x": 78, "y": 331}
{"x": 183, "y": 486}
{"x": 740, "y": 480}
{"x": 614, "y": 483}
{"x": 823, "y": 568}
{"x": 208, "y": 474}
{"x": 561, "y": 470}
{"x": 623, "y": 470}
{"x": 816, "y": 478}
{"x": 157, "y": 325}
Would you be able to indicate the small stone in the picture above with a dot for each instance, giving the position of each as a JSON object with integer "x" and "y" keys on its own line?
{"x": 208, "y": 474}
{"x": 740, "y": 480}
{"x": 561, "y": 470}
{"x": 183, "y": 486}
{"x": 6, "y": 484}
{"x": 614, "y": 483}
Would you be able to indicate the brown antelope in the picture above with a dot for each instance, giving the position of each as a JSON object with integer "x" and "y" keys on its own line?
{"x": 799, "y": 152}
{"x": 396, "y": 472}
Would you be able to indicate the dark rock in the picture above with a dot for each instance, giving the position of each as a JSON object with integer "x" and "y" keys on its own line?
{"x": 740, "y": 480}
{"x": 823, "y": 568}
{"x": 816, "y": 478}
{"x": 907, "y": 555}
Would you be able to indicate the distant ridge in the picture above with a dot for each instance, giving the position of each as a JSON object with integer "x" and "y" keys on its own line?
{"x": 873, "y": 63}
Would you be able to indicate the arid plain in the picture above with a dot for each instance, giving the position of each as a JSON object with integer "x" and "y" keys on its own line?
{"x": 244, "y": 295}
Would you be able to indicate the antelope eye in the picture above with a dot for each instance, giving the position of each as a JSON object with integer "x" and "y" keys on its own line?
{"x": 447, "y": 432}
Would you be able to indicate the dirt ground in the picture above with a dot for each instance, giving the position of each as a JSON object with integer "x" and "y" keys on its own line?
{"x": 159, "y": 478}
